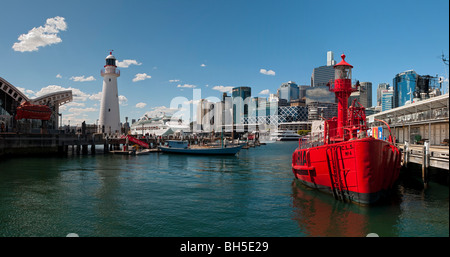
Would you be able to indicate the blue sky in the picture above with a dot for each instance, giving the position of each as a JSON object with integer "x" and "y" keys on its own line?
{"x": 210, "y": 45}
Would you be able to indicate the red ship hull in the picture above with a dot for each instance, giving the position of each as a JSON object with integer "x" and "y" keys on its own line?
{"x": 359, "y": 170}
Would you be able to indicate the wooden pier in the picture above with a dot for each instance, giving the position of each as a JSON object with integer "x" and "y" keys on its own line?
{"x": 16, "y": 144}
{"x": 427, "y": 156}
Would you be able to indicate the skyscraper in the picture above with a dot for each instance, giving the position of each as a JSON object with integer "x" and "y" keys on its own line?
{"x": 404, "y": 85}
{"x": 365, "y": 92}
{"x": 241, "y": 99}
{"x": 381, "y": 87}
{"x": 289, "y": 91}
{"x": 330, "y": 59}
{"x": 323, "y": 75}
{"x": 387, "y": 100}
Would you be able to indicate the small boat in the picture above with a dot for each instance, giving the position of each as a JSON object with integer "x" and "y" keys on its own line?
{"x": 284, "y": 135}
{"x": 26, "y": 110}
{"x": 183, "y": 147}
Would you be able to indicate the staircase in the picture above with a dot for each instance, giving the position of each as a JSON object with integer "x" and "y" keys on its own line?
{"x": 336, "y": 169}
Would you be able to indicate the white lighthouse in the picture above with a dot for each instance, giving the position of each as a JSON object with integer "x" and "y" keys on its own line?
{"x": 109, "y": 121}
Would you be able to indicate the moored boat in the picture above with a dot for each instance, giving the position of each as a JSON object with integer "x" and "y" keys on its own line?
{"x": 183, "y": 147}
{"x": 340, "y": 158}
{"x": 284, "y": 135}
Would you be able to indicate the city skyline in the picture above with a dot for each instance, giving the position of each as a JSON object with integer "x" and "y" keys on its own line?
{"x": 165, "y": 49}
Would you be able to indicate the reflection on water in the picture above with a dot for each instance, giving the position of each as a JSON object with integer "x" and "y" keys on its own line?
{"x": 252, "y": 194}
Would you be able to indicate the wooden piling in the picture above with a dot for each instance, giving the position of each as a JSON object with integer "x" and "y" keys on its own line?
{"x": 425, "y": 163}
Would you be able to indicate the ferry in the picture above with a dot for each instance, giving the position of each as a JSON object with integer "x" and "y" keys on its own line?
{"x": 285, "y": 135}
{"x": 340, "y": 158}
{"x": 158, "y": 126}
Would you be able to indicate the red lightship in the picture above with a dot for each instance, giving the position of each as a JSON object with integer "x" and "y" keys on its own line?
{"x": 343, "y": 160}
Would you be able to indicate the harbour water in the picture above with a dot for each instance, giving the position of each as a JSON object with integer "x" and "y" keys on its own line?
{"x": 160, "y": 195}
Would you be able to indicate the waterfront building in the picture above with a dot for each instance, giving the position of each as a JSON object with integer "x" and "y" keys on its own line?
{"x": 427, "y": 119}
{"x": 273, "y": 115}
{"x": 323, "y": 75}
{"x": 381, "y": 87}
{"x": 387, "y": 100}
{"x": 292, "y": 113}
{"x": 109, "y": 120}
{"x": 241, "y": 97}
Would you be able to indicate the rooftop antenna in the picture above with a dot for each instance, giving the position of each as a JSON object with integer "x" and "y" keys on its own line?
{"x": 445, "y": 61}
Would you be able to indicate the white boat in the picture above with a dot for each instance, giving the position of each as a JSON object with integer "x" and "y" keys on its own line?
{"x": 284, "y": 135}
{"x": 158, "y": 126}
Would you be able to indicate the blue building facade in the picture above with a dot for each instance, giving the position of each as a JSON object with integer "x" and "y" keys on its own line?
{"x": 404, "y": 85}
{"x": 387, "y": 100}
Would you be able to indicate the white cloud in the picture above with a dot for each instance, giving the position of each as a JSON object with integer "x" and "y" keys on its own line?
{"x": 29, "y": 93}
{"x": 97, "y": 96}
{"x": 58, "y": 76}
{"x": 141, "y": 76}
{"x": 77, "y": 94}
{"x": 267, "y": 72}
{"x": 82, "y": 110}
{"x": 141, "y": 105}
{"x": 82, "y": 78}
{"x": 41, "y": 36}
{"x": 127, "y": 63}
{"x": 123, "y": 100}
{"x": 223, "y": 89}
{"x": 264, "y": 92}
{"x": 174, "y": 80}
{"x": 160, "y": 110}
{"x": 203, "y": 65}
{"x": 191, "y": 102}
{"x": 187, "y": 86}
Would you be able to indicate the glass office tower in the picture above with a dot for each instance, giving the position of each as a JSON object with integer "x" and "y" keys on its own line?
{"x": 404, "y": 85}
{"x": 241, "y": 100}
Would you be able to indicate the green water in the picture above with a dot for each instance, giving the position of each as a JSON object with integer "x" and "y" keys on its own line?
{"x": 160, "y": 195}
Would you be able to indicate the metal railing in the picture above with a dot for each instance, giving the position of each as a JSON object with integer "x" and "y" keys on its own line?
{"x": 102, "y": 72}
